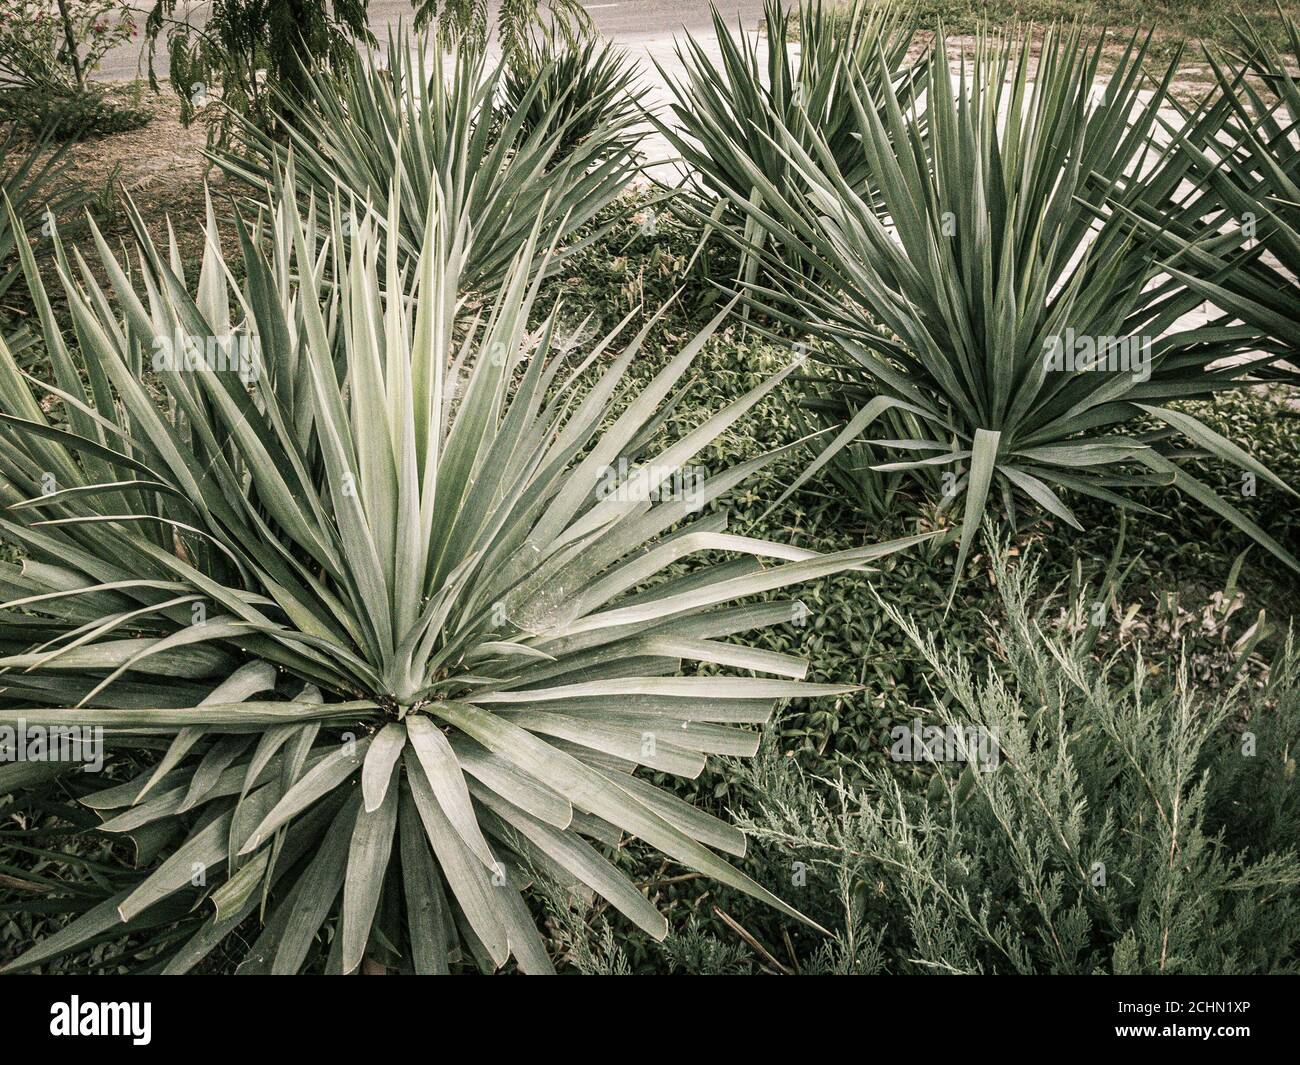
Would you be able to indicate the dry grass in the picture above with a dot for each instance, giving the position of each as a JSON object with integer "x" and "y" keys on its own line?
{"x": 160, "y": 168}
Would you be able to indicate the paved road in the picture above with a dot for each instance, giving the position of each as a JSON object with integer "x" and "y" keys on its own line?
{"x": 643, "y": 23}
{"x": 645, "y": 28}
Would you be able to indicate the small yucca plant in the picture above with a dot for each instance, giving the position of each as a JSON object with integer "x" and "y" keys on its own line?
{"x": 727, "y": 111}
{"x": 363, "y": 566}
{"x": 572, "y": 85}
{"x": 1244, "y": 172}
{"x": 992, "y": 291}
{"x": 405, "y": 123}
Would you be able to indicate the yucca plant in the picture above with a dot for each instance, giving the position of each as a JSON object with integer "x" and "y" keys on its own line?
{"x": 994, "y": 293}
{"x": 726, "y": 113}
{"x": 407, "y": 123}
{"x": 33, "y": 179}
{"x": 728, "y": 117}
{"x": 816, "y": 401}
{"x": 574, "y": 85}
{"x": 365, "y": 568}
{"x": 1244, "y": 156}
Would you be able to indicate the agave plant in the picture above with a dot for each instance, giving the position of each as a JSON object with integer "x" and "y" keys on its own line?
{"x": 366, "y": 568}
{"x": 993, "y": 291}
{"x": 405, "y": 123}
{"x": 1244, "y": 156}
{"x": 727, "y": 112}
{"x": 578, "y": 86}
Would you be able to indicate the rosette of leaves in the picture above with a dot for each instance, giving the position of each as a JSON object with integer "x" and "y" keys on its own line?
{"x": 727, "y": 111}
{"x": 990, "y": 250}
{"x": 577, "y": 84}
{"x": 1243, "y": 160}
{"x": 372, "y": 637}
{"x": 405, "y": 122}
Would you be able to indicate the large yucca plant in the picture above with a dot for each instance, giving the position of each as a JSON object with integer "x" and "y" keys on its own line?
{"x": 406, "y": 122}
{"x": 369, "y": 578}
{"x": 991, "y": 282}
